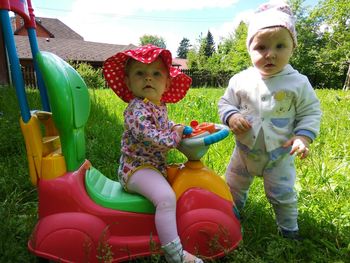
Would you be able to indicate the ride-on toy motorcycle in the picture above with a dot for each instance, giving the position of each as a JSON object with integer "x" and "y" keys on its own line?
{"x": 85, "y": 216}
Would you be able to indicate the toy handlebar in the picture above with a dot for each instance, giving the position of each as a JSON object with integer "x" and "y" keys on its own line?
{"x": 205, "y": 137}
{"x": 222, "y": 133}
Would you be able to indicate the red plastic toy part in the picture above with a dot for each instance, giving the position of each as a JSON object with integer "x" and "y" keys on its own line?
{"x": 206, "y": 223}
{"x": 23, "y": 8}
{"x": 202, "y": 128}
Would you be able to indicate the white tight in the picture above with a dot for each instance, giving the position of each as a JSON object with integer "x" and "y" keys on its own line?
{"x": 153, "y": 185}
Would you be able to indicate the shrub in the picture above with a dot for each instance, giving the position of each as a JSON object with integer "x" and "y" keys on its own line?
{"x": 92, "y": 77}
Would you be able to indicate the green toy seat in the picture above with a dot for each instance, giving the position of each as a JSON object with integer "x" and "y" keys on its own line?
{"x": 110, "y": 194}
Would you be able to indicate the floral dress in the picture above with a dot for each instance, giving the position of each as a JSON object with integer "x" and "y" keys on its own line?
{"x": 146, "y": 139}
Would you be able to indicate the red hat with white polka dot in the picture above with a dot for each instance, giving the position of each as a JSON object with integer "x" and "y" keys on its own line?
{"x": 114, "y": 72}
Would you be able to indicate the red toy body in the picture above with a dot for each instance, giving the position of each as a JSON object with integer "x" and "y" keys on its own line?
{"x": 72, "y": 228}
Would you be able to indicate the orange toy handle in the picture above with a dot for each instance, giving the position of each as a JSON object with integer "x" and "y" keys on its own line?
{"x": 200, "y": 128}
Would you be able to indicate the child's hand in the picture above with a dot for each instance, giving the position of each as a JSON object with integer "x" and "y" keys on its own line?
{"x": 178, "y": 128}
{"x": 238, "y": 124}
{"x": 300, "y": 146}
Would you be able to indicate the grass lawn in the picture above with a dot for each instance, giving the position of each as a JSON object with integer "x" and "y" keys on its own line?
{"x": 323, "y": 178}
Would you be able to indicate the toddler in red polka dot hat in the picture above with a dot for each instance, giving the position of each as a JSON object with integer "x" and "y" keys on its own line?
{"x": 145, "y": 79}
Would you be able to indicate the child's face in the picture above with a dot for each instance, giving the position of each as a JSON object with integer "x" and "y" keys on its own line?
{"x": 270, "y": 50}
{"x": 148, "y": 80}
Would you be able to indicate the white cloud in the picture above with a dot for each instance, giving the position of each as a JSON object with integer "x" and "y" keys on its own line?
{"x": 109, "y": 21}
{"x": 228, "y": 28}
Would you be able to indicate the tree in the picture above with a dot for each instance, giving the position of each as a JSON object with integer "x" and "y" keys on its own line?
{"x": 322, "y": 54}
{"x": 196, "y": 56}
{"x": 334, "y": 54}
{"x": 233, "y": 50}
{"x": 152, "y": 39}
{"x": 309, "y": 42}
{"x": 209, "y": 45}
{"x": 232, "y": 54}
{"x": 192, "y": 57}
{"x": 183, "y": 48}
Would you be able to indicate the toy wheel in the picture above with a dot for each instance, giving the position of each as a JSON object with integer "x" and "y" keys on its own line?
{"x": 209, "y": 233}
{"x": 68, "y": 237}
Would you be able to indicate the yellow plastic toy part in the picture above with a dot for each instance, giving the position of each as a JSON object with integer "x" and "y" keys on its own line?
{"x": 195, "y": 174}
{"x": 43, "y": 152}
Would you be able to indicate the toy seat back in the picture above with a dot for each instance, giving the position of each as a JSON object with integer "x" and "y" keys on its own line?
{"x": 70, "y": 105}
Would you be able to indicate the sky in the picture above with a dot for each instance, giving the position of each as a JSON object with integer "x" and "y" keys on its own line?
{"x": 119, "y": 22}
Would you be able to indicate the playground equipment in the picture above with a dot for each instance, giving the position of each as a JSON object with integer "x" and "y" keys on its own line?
{"x": 85, "y": 216}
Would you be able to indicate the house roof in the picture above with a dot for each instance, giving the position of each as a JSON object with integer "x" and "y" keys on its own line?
{"x": 69, "y": 45}
{"x": 53, "y": 26}
{"x": 64, "y": 42}
{"x": 70, "y": 49}
{"x": 57, "y": 28}
{"x": 180, "y": 63}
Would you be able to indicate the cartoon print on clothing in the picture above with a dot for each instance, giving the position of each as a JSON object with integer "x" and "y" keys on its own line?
{"x": 284, "y": 100}
{"x": 283, "y": 103}
{"x": 142, "y": 144}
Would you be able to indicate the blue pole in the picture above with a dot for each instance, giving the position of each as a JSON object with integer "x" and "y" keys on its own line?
{"x": 15, "y": 66}
{"x": 35, "y": 49}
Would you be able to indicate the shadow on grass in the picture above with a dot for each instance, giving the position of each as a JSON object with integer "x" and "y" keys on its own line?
{"x": 321, "y": 242}
{"x": 103, "y": 132}
{"x": 18, "y": 197}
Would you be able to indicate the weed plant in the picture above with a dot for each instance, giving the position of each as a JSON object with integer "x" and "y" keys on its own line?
{"x": 323, "y": 183}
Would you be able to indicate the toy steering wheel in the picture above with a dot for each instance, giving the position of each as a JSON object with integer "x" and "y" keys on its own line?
{"x": 204, "y": 134}
{"x": 196, "y": 140}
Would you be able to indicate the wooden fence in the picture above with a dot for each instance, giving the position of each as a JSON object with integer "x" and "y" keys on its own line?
{"x": 29, "y": 76}
{"x": 205, "y": 78}
{"x": 199, "y": 78}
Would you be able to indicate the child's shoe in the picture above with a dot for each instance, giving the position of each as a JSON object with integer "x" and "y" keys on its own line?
{"x": 189, "y": 258}
{"x": 293, "y": 235}
{"x": 174, "y": 253}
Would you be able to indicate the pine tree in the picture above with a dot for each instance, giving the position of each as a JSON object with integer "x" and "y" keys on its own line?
{"x": 184, "y": 47}
{"x": 209, "y": 49}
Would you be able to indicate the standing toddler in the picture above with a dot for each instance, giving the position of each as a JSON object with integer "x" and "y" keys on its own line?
{"x": 274, "y": 114}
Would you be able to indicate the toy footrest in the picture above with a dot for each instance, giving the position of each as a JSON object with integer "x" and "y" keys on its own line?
{"x": 110, "y": 194}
